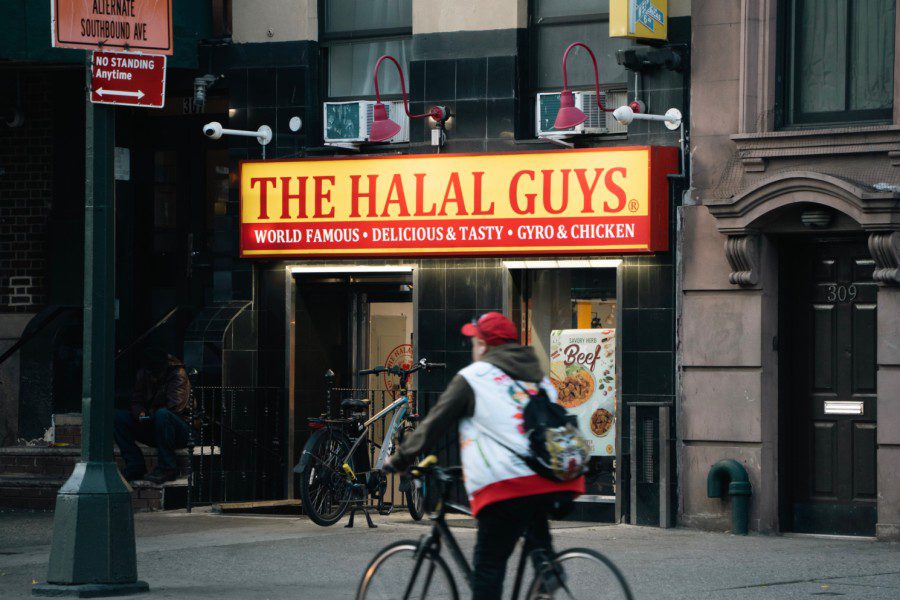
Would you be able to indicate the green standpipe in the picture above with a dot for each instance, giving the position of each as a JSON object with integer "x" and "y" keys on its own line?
{"x": 730, "y": 477}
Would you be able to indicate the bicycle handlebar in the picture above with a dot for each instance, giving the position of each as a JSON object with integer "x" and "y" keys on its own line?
{"x": 422, "y": 364}
{"x": 425, "y": 464}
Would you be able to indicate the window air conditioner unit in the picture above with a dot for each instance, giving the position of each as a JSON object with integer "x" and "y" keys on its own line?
{"x": 350, "y": 122}
{"x": 598, "y": 122}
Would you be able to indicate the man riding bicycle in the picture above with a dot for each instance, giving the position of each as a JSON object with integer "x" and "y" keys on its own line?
{"x": 486, "y": 400}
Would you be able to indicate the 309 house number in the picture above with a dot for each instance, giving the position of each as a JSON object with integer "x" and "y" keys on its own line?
{"x": 840, "y": 293}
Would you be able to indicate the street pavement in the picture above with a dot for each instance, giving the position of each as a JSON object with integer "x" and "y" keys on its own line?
{"x": 204, "y": 555}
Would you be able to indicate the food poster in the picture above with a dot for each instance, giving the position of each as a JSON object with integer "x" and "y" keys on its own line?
{"x": 583, "y": 371}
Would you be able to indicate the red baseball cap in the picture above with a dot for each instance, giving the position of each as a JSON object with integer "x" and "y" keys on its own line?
{"x": 493, "y": 328}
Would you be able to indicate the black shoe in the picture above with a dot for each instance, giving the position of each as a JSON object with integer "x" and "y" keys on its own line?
{"x": 160, "y": 476}
{"x": 132, "y": 476}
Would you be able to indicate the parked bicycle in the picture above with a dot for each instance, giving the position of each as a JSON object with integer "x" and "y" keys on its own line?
{"x": 334, "y": 466}
{"x": 416, "y": 569}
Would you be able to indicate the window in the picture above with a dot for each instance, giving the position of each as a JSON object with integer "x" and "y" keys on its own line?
{"x": 354, "y": 34}
{"x": 554, "y": 25}
{"x": 557, "y": 23}
{"x": 838, "y": 61}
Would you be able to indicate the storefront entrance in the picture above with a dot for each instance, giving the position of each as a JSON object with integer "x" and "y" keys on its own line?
{"x": 570, "y": 315}
{"x": 828, "y": 386}
{"x": 345, "y": 322}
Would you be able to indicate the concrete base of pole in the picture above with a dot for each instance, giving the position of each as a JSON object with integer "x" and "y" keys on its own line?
{"x": 93, "y": 536}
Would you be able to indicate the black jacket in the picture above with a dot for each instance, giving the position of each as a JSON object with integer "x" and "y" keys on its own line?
{"x": 458, "y": 401}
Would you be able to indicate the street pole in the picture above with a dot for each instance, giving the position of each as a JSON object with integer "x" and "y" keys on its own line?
{"x": 93, "y": 552}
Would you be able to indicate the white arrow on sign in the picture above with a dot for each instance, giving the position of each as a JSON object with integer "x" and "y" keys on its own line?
{"x": 138, "y": 94}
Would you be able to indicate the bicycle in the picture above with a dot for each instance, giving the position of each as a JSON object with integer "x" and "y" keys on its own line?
{"x": 334, "y": 465}
{"x": 417, "y": 567}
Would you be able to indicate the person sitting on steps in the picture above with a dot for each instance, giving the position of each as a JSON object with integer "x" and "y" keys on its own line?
{"x": 159, "y": 417}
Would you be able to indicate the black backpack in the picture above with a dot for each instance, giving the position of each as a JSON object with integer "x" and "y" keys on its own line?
{"x": 557, "y": 449}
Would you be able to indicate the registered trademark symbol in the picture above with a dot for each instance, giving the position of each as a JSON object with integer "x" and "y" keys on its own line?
{"x": 633, "y": 205}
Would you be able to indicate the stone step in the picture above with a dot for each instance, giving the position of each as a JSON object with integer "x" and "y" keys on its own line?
{"x": 38, "y": 492}
{"x": 58, "y": 461}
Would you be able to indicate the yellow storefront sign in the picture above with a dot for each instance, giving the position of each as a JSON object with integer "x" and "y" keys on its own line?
{"x": 581, "y": 201}
{"x": 639, "y": 19}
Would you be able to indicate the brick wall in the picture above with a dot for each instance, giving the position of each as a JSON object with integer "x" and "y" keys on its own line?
{"x": 26, "y": 176}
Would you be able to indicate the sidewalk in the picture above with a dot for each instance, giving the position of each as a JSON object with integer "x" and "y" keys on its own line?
{"x": 238, "y": 557}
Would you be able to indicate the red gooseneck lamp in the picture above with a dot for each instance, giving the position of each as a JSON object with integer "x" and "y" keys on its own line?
{"x": 569, "y": 116}
{"x": 383, "y": 128}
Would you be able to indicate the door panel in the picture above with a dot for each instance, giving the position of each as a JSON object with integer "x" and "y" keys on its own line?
{"x": 824, "y": 442}
{"x": 830, "y": 306}
{"x": 863, "y": 349}
{"x": 864, "y": 447}
{"x": 823, "y": 316}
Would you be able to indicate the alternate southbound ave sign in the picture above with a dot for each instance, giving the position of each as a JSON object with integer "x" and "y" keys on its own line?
{"x": 586, "y": 201}
{"x": 128, "y": 79}
{"x": 134, "y": 25}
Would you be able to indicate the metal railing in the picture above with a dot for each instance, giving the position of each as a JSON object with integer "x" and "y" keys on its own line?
{"x": 236, "y": 450}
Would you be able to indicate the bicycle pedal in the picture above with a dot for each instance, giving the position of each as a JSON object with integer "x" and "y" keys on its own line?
{"x": 385, "y": 508}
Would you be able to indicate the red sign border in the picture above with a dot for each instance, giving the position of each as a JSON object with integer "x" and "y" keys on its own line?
{"x": 663, "y": 158}
{"x": 117, "y": 103}
{"x": 55, "y": 42}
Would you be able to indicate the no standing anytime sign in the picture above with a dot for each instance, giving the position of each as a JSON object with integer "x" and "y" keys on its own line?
{"x": 128, "y": 79}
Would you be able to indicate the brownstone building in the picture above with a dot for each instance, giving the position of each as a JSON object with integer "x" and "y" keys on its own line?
{"x": 790, "y": 303}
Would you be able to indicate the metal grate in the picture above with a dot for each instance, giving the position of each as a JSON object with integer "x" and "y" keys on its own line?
{"x": 615, "y": 99}
{"x": 648, "y": 450}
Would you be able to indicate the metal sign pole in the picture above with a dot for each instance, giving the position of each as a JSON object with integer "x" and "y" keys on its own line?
{"x": 93, "y": 551}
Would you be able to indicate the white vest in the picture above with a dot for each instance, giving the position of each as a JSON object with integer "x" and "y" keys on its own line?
{"x": 498, "y": 417}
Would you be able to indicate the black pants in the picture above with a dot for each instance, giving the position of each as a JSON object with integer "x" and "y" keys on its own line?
{"x": 500, "y": 526}
{"x": 165, "y": 430}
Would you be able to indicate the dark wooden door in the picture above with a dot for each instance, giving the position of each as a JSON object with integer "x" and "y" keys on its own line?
{"x": 832, "y": 390}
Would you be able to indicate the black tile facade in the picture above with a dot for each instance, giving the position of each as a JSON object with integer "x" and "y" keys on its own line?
{"x": 261, "y": 87}
{"x": 461, "y": 288}
{"x": 432, "y": 331}
{"x": 501, "y": 76}
{"x": 432, "y": 288}
{"x": 471, "y": 78}
{"x": 440, "y": 80}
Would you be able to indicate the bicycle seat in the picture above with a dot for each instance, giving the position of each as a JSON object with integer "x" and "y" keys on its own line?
{"x": 354, "y": 403}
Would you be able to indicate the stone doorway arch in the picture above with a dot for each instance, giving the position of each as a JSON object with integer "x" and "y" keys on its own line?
{"x": 744, "y": 216}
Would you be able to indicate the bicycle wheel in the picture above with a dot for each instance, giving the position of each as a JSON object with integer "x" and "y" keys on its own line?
{"x": 323, "y": 486}
{"x": 415, "y": 492}
{"x": 393, "y": 572}
{"x": 415, "y": 499}
{"x": 586, "y": 574}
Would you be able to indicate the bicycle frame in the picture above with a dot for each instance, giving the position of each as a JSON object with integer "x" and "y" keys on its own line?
{"x": 431, "y": 544}
{"x": 387, "y": 444}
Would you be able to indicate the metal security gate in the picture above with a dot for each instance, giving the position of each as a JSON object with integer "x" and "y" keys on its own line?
{"x": 236, "y": 451}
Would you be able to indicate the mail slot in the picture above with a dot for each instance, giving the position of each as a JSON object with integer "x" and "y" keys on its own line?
{"x": 843, "y": 407}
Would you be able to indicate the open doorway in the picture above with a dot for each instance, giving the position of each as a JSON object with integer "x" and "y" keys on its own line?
{"x": 345, "y": 322}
